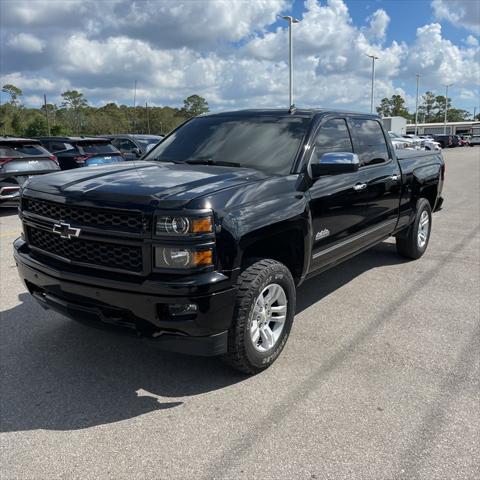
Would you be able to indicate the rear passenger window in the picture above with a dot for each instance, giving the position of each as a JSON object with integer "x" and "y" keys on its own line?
{"x": 333, "y": 136}
{"x": 57, "y": 146}
{"x": 372, "y": 147}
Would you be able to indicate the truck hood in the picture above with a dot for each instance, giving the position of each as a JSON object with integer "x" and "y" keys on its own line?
{"x": 151, "y": 184}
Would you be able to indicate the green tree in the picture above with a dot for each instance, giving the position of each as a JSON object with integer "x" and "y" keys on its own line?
{"x": 385, "y": 108}
{"x": 393, "y": 107}
{"x": 36, "y": 127}
{"x": 18, "y": 126}
{"x": 74, "y": 103}
{"x": 194, "y": 105}
{"x": 458, "y": 115}
{"x": 440, "y": 107}
{"x": 427, "y": 107}
{"x": 58, "y": 130}
{"x": 74, "y": 100}
{"x": 14, "y": 92}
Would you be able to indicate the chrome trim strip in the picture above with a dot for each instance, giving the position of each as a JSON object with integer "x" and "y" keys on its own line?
{"x": 352, "y": 239}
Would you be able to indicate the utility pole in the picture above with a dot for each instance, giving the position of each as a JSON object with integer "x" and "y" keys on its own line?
{"x": 135, "y": 107}
{"x": 46, "y": 113}
{"x": 291, "y": 20}
{"x": 474, "y": 113}
{"x": 446, "y": 108}
{"x": 372, "y": 94}
{"x": 416, "y": 105}
{"x": 148, "y": 118}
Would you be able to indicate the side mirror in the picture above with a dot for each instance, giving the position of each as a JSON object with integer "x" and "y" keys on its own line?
{"x": 137, "y": 152}
{"x": 335, "y": 163}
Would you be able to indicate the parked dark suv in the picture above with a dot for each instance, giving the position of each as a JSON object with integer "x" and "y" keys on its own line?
{"x": 74, "y": 152}
{"x": 20, "y": 158}
{"x": 447, "y": 141}
{"x": 134, "y": 146}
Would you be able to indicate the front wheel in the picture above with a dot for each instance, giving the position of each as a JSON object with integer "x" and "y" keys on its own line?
{"x": 414, "y": 242}
{"x": 263, "y": 316}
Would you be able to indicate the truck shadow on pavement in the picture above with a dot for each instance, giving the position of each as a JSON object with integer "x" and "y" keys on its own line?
{"x": 60, "y": 375}
{"x": 8, "y": 211}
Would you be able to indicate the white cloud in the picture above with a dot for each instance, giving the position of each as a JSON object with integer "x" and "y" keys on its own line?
{"x": 378, "y": 24}
{"x": 440, "y": 61}
{"x": 472, "y": 41}
{"x": 222, "y": 50}
{"x": 25, "y": 42}
{"x": 461, "y": 13}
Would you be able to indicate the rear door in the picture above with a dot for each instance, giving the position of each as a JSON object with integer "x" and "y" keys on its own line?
{"x": 379, "y": 176}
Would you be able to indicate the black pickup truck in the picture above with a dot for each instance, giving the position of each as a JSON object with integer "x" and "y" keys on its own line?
{"x": 200, "y": 247}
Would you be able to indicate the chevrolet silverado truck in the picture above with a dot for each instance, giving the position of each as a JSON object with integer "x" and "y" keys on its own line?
{"x": 200, "y": 246}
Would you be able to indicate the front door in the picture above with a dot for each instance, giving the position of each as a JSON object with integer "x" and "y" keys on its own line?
{"x": 337, "y": 202}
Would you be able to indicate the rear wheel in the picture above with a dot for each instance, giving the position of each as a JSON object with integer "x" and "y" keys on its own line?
{"x": 414, "y": 242}
{"x": 263, "y": 316}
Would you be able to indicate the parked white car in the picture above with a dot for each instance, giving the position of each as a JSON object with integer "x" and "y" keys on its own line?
{"x": 399, "y": 142}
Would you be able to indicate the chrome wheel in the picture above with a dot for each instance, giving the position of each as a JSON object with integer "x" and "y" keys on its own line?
{"x": 423, "y": 229}
{"x": 269, "y": 314}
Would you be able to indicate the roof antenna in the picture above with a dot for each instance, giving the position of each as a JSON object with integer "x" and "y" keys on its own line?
{"x": 292, "y": 109}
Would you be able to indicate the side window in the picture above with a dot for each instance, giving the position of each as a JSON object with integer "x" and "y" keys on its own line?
{"x": 333, "y": 136}
{"x": 57, "y": 146}
{"x": 372, "y": 147}
{"x": 126, "y": 145}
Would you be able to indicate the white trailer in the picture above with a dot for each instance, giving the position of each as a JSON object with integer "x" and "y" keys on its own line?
{"x": 395, "y": 124}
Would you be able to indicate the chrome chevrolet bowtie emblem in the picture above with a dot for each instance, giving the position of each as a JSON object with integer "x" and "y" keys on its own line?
{"x": 65, "y": 230}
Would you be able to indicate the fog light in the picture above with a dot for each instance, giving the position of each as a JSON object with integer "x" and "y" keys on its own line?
{"x": 181, "y": 309}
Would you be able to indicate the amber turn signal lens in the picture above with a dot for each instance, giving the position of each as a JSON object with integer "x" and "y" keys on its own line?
{"x": 202, "y": 258}
{"x": 202, "y": 225}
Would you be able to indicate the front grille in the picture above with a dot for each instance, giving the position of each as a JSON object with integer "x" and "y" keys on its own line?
{"x": 100, "y": 218}
{"x": 111, "y": 255}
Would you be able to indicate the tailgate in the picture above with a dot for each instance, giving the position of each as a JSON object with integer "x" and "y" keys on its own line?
{"x": 102, "y": 159}
{"x": 28, "y": 166}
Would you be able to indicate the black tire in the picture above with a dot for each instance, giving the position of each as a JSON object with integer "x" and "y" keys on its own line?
{"x": 241, "y": 353}
{"x": 407, "y": 242}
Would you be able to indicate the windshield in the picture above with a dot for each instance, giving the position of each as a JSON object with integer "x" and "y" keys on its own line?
{"x": 19, "y": 150}
{"x": 268, "y": 144}
{"x": 98, "y": 147}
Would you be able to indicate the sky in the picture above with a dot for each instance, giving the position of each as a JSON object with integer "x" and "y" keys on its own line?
{"x": 235, "y": 52}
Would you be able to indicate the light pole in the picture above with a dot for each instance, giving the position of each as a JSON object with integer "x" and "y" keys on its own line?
{"x": 446, "y": 108}
{"x": 416, "y": 105}
{"x": 372, "y": 95}
{"x": 291, "y": 20}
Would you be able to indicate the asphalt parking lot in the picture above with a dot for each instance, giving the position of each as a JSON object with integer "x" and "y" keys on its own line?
{"x": 379, "y": 380}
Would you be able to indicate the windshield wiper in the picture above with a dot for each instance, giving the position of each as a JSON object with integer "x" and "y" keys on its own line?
{"x": 159, "y": 159}
{"x": 211, "y": 161}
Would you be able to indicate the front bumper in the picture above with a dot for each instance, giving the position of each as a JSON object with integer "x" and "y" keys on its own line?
{"x": 143, "y": 311}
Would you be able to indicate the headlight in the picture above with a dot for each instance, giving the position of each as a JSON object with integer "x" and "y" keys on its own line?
{"x": 182, "y": 258}
{"x": 170, "y": 225}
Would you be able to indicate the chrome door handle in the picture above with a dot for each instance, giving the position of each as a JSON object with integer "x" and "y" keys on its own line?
{"x": 395, "y": 178}
{"x": 359, "y": 186}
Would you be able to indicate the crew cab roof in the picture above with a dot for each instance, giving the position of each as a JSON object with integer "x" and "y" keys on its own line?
{"x": 283, "y": 112}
